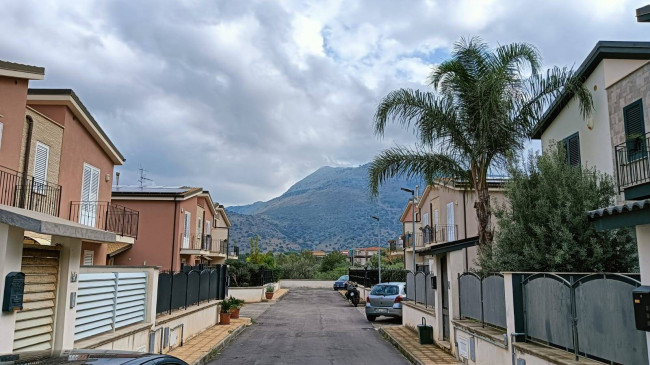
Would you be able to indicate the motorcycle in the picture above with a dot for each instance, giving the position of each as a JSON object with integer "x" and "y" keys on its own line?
{"x": 352, "y": 294}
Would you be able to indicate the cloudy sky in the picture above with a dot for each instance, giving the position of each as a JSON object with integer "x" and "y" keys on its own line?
{"x": 246, "y": 97}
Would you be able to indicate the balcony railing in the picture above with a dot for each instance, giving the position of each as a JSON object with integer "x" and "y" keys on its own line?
{"x": 632, "y": 165}
{"x": 440, "y": 233}
{"x": 235, "y": 251}
{"x": 408, "y": 240}
{"x": 24, "y": 191}
{"x": 106, "y": 216}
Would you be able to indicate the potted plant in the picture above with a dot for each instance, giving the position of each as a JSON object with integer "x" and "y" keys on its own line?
{"x": 270, "y": 289}
{"x": 224, "y": 312}
{"x": 236, "y": 305}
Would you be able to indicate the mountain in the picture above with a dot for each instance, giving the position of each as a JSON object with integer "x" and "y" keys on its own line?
{"x": 327, "y": 210}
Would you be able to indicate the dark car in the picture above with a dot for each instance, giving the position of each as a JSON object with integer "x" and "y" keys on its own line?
{"x": 342, "y": 283}
{"x": 94, "y": 357}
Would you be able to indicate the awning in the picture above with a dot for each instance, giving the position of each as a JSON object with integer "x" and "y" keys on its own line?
{"x": 618, "y": 216}
{"x": 449, "y": 246}
{"x": 113, "y": 249}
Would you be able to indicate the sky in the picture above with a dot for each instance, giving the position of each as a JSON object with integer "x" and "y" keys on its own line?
{"x": 245, "y": 98}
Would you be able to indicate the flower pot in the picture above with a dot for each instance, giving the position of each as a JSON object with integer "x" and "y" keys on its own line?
{"x": 224, "y": 318}
{"x": 269, "y": 295}
{"x": 234, "y": 313}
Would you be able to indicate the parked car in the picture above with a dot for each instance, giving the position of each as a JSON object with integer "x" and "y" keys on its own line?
{"x": 385, "y": 299}
{"x": 342, "y": 282}
{"x": 94, "y": 357}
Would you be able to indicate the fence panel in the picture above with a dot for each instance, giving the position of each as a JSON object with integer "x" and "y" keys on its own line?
{"x": 222, "y": 282}
{"x": 163, "y": 301}
{"x": 420, "y": 288}
{"x": 469, "y": 288}
{"x": 131, "y": 298}
{"x": 214, "y": 284}
{"x": 179, "y": 290}
{"x": 192, "y": 288}
{"x": 494, "y": 300}
{"x": 95, "y": 304}
{"x": 605, "y": 323}
{"x": 431, "y": 293}
{"x": 410, "y": 286}
{"x": 204, "y": 285}
{"x": 547, "y": 299}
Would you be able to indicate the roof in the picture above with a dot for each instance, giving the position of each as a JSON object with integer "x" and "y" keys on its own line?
{"x": 155, "y": 191}
{"x": 405, "y": 217}
{"x": 222, "y": 210}
{"x": 643, "y": 14}
{"x": 623, "y": 215}
{"x": 69, "y": 98}
{"x": 318, "y": 253}
{"x": 113, "y": 249}
{"x": 602, "y": 50}
{"x": 449, "y": 246}
{"x": 375, "y": 248}
{"x": 20, "y": 70}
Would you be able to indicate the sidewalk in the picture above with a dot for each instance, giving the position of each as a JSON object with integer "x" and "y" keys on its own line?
{"x": 406, "y": 340}
{"x": 198, "y": 349}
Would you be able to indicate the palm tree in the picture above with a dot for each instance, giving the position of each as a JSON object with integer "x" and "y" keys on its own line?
{"x": 479, "y": 115}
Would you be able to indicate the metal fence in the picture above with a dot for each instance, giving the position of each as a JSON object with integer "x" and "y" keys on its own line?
{"x": 482, "y": 298}
{"x": 182, "y": 289}
{"x": 421, "y": 288}
{"x": 590, "y": 315}
{"x": 108, "y": 301}
{"x": 106, "y": 216}
{"x": 370, "y": 277}
{"x": 25, "y": 191}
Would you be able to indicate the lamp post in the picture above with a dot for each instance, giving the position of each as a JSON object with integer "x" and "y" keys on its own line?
{"x": 378, "y": 245}
{"x": 413, "y": 218}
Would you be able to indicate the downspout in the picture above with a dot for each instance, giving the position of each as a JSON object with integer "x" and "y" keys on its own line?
{"x": 28, "y": 145}
{"x": 465, "y": 229}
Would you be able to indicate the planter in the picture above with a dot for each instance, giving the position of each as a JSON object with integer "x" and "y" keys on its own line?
{"x": 224, "y": 318}
{"x": 234, "y": 313}
{"x": 269, "y": 295}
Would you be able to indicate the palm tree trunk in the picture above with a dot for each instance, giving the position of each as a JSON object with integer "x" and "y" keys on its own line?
{"x": 483, "y": 210}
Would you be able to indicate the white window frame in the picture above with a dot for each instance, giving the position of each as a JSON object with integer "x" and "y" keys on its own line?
{"x": 450, "y": 222}
{"x": 86, "y": 215}
{"x": 89, "y": 254}
{"x": 38, "y": 185}
{"x": 187, "y": 221}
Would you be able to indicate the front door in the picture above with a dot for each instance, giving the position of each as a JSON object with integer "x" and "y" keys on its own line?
{"x": 89, "y": 196}
{"x": 445, "y": 298}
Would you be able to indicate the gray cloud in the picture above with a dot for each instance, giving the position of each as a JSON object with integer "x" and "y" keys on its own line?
{"x": 246, "y": 97}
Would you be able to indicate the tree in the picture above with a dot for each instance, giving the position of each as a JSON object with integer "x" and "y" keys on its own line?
{"x": 333, "y": 260}
{"x": 483, "y": 107}
{"x": 544, "y": 225}
{"x": 257, "y": 257}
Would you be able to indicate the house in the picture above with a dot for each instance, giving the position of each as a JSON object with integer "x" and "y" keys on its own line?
{"x": 179, "y": 226}
{"x": 318, "y": 254}
{"x": 56, "y": 165}
{"x": 615, "y": 138}
{"x": 410, "y": 220}
{"x": 362, "y": 255}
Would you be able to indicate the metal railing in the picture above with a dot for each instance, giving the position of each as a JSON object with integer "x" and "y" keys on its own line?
{"x": 206, "y": 242}
{"x": 632, "y": 165}
{"x": 24, "y": 191}
{"x": 106, "y": 216}
{"x": 235, "y": 251}
{"x": 408, "y": 240}
{"x": 370, "y": 277}
{"x": 440, "y": 233}
{"x": 191, "y": 286}
{"x": 482, "y": 298}
{"x": 420, "y": 288}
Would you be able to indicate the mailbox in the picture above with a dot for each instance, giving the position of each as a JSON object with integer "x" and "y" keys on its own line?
{"x": 642, "y": 307}
{"x": 434, "y": 282}
{"x": 14, "y": 290}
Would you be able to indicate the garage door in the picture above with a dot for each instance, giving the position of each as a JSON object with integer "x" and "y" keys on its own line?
{"x": 35, "y": 323}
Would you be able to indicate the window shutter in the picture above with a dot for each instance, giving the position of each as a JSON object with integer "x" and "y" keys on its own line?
{"x": 85, "y": 184}
{"x": 635, "y": 130}
{"x": 573, "y": 150}
{"x": 94, "y": 185}
{"x": 186, "y": 227}
{"x": 1, "y": 128}
{"x": 40, "y": 166}
{"x": 88, "y": 257}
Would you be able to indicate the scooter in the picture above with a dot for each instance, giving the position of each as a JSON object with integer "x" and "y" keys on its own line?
{"x": 353, "y": 293}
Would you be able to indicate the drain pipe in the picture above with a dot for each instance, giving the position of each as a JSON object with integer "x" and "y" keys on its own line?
{"x": 28, "y": 147}
{"x": 512, "y": 344}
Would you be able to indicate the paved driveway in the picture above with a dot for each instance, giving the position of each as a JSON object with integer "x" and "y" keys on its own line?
{"x": 310, "y": 326}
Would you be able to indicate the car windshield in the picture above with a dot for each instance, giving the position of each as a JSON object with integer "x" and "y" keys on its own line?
{"x": 385, "y": 290}
{"x": 343, "y": 278}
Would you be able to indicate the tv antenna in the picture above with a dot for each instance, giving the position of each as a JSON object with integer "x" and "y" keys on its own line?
{"x": 143, "y": 176}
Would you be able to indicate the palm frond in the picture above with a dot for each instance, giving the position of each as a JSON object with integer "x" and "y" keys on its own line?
{"x": 411, "y": 163}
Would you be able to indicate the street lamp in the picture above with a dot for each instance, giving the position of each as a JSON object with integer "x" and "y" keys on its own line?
{"x": 378, "y": 244}
{"x": 413, "y": 218}
{"x": 643, "y": 14}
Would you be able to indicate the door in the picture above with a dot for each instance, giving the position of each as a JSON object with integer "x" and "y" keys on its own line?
{"x": 35, "y": 322}
{"x": 445, "y": 298}
{"x": 450, "y": 222}
{"x": 186, "y": 230}
{"x": 89, "y": 196}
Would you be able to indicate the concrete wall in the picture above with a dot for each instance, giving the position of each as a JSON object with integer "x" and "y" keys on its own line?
{"x": 412, "y": 316}
{"x": 316, "y": 284}
{"x": 251, "y": 294}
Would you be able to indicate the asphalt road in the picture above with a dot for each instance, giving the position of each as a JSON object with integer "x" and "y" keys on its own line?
{"x": 310, "y": 326}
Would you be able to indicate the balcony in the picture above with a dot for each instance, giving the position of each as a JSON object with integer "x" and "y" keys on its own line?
{"x": 440, "y": 233}
{"x": 106, "y": 216}
{"x": 24, "y": 191}
{"x": 633, "y": 168}
{"x": 234, "y": 253}
{"x": 204, "y": 245}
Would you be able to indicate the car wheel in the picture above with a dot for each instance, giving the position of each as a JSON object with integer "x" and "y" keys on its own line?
{"x": 371, "y": 318}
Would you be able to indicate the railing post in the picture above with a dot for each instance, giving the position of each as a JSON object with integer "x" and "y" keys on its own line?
{"x": 123, "y": 219}
{"x": 480, "y": 282}
{"x": 574, "y": 319}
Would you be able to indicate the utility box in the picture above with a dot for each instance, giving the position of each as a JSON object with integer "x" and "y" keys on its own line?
{"x": 641, "y": 297}
{"x": 425, "y": 333}
{"x": 12, "y": 299}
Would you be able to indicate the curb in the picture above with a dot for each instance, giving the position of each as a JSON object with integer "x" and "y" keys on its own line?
{"x": 220, "y": 345}
{"x": 409, "y": 356}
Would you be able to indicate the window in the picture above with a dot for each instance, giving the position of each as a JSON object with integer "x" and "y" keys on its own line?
{"x": 435, "y": 217}
{"x": 450, "y": 222}
{"x": 186, "y": 230}
{"x": 208, "y": 228}
{"x": 40, "y": 167}
{"x": 425, "y": 219}
{"x": 635, "y": 139}
{"x": 1, "y": 127}
{"x": 571, "y": 146}
{"x": 88, "y": 257}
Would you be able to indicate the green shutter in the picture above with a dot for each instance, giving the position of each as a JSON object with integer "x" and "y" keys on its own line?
{"x": 635, "y": 131}
{"x": 571, "y": 146}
